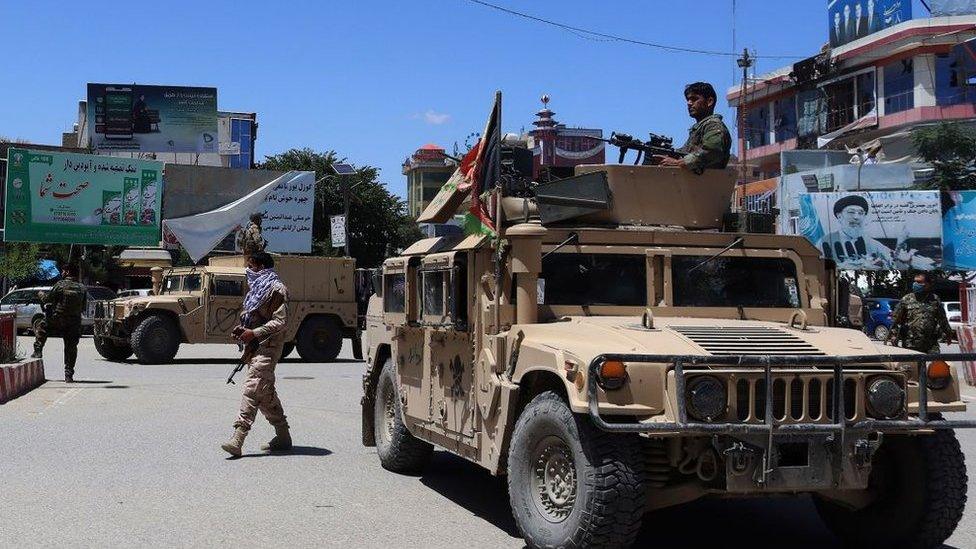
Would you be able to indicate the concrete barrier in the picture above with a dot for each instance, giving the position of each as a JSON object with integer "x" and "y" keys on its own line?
{"x": 17, "y": 379}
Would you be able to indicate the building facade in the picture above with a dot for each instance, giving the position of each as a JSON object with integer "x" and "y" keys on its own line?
{"x": 558, "y": 148}
{"x": 427, "y": 169}
{"x": 868, "y": 93}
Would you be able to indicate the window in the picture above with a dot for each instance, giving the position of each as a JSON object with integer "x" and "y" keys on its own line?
{"x": 99, "y": 293}
{"x": 840, "y": 104}
{"x": 20, "y": 298}
{"x": 228, "y": 286}
{"x": 899, "y": 86}
{"x": 950, "y": 85}
{"x": 811, "y": 113}
{"x": 757, "y": 127}
{"x": 191, "y": 283}
{"x": 785, "y": 121}
{"x": 433, "y": 293}
{"x": 865, "y": 93}
{"x": 594, "y": 279}
{"x": 734, "y": 282}
{"x": 172, "y": 284}
{"x": 395, "y": 293}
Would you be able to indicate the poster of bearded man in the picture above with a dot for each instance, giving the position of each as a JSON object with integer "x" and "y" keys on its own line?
{"x": 875, "y": 230}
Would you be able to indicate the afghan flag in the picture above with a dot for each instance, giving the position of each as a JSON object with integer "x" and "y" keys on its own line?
{"x": 479, "y": 169}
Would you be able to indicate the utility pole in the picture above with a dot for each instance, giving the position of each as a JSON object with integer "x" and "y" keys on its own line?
{"x": 345, "y": 210}
{"x": 744, "y": 63}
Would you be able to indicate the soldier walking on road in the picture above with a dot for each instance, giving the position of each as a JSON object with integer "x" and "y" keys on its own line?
{"x": 63, "y": 306}
{"x": 709, "y": 142}
{"x": 921, "y": 317}
{"x": 250, "y": 240}
{"x": 262, "y": 330}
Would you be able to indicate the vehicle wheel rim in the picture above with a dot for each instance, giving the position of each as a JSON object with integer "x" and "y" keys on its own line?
{"x": 389, "y": 413}
{"x": 554, "y": 479}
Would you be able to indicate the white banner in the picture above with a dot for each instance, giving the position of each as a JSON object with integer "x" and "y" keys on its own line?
{"x": 287, "y": 214}
{"x": 338, "y": 231}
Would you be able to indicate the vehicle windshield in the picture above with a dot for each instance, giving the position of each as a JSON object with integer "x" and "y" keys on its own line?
{"x": 734, "y": 282}
{"x": 20, "y": 298}
{"x": 100, "y": 294}
{"x": 594, "y": 279}
{"x": 171, "y": 284}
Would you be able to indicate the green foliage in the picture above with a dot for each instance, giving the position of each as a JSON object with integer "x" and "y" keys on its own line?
{"x": 378, "y": 222}
{"x": 19, "y": 260}
{"x": 951, "y": 150}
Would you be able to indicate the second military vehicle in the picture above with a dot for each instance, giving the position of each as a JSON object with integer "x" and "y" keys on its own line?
{"x": 202, "y": 305}
{"x": 613, "y": 352}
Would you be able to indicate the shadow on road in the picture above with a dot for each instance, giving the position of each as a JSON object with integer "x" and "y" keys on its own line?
{"x": 295, "y": 451}
{"x": 471, "y": 487}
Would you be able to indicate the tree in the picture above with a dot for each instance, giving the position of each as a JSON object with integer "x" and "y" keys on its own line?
{"x": 378, "y": 222}
{"x": 951, "y": 150}
{"x": 19, "y": 260}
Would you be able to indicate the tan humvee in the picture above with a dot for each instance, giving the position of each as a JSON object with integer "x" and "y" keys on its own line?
{"x": 202, "y": 305}
{"x": 611, "y": 363}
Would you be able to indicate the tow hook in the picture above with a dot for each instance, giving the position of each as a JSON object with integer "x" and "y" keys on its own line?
{"x": 864, "y": 450}
{"x": 739, "y": 457}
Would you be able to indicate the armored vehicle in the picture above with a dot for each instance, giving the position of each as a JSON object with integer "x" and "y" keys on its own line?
{"x": 203, "y": 304}
{"x": 613, "y": 351}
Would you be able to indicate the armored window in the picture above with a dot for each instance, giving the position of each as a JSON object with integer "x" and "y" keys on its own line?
{"x": 172, "y": 284}
{"x": 228, "y": 286}
{"x": 432, "y": 301}
{"x": 594, "y": 279}
{"x": 700, "y": 281}
{"x": 191, "y": 283}
{"x": 395, "y": 293}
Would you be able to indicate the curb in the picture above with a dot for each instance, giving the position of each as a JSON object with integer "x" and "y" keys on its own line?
{"x": 17, "y": 379}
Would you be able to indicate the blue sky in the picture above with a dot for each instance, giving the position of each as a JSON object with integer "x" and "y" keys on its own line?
{"x": 375, "y": 79}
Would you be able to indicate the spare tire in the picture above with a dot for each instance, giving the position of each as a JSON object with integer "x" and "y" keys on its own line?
{"x": 319, "y": 339}
{"x": 156, "y": 339}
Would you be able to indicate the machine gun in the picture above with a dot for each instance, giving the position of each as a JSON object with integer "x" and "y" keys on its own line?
{"x": 657, "y": 145}
{"x": 250, "y": 348}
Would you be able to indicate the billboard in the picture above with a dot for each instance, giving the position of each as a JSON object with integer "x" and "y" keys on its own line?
{"x": 82, "y": 199}
{"x": 848, "y": 20}
{"x": 132, "y": 117}
{"x": 286, "y": 215}
{"x": 959, "y": 230}
{"x": 875, "y": 230}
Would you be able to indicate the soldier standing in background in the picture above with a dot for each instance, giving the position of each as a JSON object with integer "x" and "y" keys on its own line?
{"x": 264, "y": 317}
{"x": 63, "y": 306}
{"x": 921, "y": 317}
{"x": 250, "y": 240}
{"x": 709, "y": 142}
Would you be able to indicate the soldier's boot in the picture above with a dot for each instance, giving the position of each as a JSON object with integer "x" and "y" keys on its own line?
{"x": 233, "y": 446}
{"x": 69, "y": 377}
{"x": 38, "y": 351}
{"x": 281, "y": 441}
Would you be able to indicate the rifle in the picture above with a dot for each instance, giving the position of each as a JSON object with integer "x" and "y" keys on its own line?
{"x": 250, "y": 349}
{"x": 657, "y": 145}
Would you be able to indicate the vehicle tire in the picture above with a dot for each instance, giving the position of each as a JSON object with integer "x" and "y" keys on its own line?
{"x": 287, "y": 349}
{"x": 319, "y": 339}
{"x": 35, "y": 324}
{"x": 399, "y": 451}
{"x": 155, "y": 340}
{"x": 570, "y": 484}
{"x": 920, "y": 482}
{"x": 881, "y": 332}
{"x": 112, "y": 350}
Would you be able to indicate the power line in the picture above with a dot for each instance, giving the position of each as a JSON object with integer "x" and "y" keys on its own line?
{"x": 616, "y": 38}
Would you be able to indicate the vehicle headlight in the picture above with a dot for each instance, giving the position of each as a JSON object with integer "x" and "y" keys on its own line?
{"x": 886, "y": 398}
{"x": 706, "y": 398}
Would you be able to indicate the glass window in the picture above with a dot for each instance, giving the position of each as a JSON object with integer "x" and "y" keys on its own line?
{"x": 99, "y": 293}
{"x": 191, "y": 283}
{"x": 171, "y": 284}
{"x": 950, "y": 85}
{"x": 840, "y": 104}
{"x": 594, "y": 279}
{"x": 734, "y": 282}
{"x": 235, "y": 130}
{"x": 899, "y": 86}
{"x": 20, "y": 298}
{"x": 395, "y": 293}
{"x": 228, "y": 286}
{"x": 433, "y": 296}
{"x": 953, "y": 307}
{"x": 757, "y": 127}
{"x": 865, "y": 94}
{"x": 785, "y": 121}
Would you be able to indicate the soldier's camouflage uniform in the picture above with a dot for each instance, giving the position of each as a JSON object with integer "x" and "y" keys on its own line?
{"x": 920, "y": 322}
{"x": 259, "y": 392}
{"x": 63, "y": 306}
{"x": 708, "y": 145}
{"x": 250, "y": 240}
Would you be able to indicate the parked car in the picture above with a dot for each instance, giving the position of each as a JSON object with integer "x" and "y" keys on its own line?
{"x": 953, "y": 310}
{"x": 28, "y": 305}
{"x": 142, "y": 292}
{"x": 878, "y": 312}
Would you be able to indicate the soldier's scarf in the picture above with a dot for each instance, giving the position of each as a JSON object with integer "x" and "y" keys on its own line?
{"x": 259, "y": 283}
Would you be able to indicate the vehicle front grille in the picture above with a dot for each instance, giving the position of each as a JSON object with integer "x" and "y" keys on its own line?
{"x": 747, "y": 340}
{"x": 797, "y": 398}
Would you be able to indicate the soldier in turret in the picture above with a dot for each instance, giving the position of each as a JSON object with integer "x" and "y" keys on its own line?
{"x": 63, "y": 306}
{"x": 250, "y": 240}
{"x": 709, "y": 142}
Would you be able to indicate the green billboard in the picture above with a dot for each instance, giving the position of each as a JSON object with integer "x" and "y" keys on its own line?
{"x": 82, "y": 199}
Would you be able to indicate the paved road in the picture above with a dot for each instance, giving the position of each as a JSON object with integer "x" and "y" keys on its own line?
{"x": 131, "y": 457}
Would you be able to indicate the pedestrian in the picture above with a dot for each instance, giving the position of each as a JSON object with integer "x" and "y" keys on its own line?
{"x": 250, "y": 240}
{"x": 709, "y": 142}
{"x": 63, "y": 306}
{"x": 264, "y": 317}
{"x": 921, "y": 317}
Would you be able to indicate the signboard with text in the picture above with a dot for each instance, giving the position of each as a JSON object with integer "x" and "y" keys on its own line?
{"x": 286, "y": 221}
{"x": 72, "y": 198}
{"x": 132, "y": 117}
{"x": 849, "y": 20}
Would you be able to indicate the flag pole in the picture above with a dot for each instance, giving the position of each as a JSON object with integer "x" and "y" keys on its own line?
{"x": 499, "y": 222}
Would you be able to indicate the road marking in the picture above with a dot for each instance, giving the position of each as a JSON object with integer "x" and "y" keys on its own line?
{"x": 61, "y": 400}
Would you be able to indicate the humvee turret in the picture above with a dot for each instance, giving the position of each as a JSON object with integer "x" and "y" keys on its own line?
{"x": 613, "y": 351}
{"x": 202, "y": 305}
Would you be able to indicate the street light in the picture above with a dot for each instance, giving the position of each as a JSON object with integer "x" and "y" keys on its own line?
{"x": 344, "y": 170}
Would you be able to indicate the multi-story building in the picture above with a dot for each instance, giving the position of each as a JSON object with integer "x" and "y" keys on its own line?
{"x": 427, "y": 170}
{"x": 867, "y": 93}
{"x": 558, "y": 148}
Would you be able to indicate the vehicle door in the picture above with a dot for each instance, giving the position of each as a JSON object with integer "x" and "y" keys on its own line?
{"x": 21, "y": 301}
{"x": 400, "y": 310}
{"x": 449, "y": 356}
{"x": 225, "y": 297}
